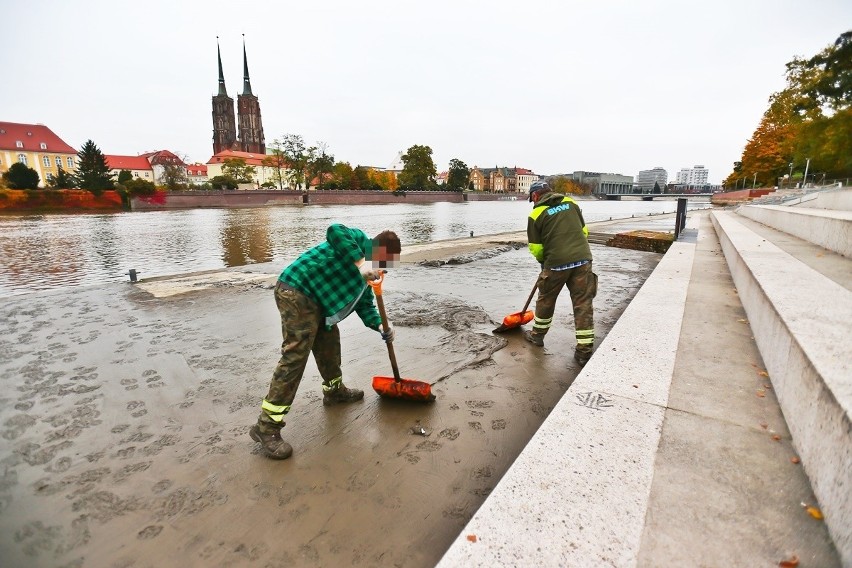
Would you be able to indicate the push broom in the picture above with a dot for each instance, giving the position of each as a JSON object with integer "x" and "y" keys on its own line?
{"x": 395, "y": 386}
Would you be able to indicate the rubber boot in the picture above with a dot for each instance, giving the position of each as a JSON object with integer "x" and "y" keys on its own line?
{"x": 273, "y": 446}
{"x": 534, "y": 338}
{"x": 582, "y": 357}
{"x": 341, "y": 394}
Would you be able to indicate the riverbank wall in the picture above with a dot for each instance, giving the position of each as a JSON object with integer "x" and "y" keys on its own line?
{"x": 57, "y": 200}
{"x": 266, "y": 198}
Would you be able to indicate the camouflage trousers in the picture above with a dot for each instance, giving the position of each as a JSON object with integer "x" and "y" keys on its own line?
{"x": 582, "y": 284}
{"x": 303, "y": 333}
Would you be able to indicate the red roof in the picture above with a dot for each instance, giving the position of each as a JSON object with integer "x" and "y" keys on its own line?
{"x": 196, "y": 170}
{"x": 251, "y": 159}
{"x": 128, "y": 162}
{"x": 163, "y": 157}
{"x": 31, "y": 137}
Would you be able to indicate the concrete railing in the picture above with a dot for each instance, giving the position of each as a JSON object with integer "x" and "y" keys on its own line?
{"x": 800, "y": 320}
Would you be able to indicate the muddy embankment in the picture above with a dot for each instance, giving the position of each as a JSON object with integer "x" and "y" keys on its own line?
{"x": 125, "y": 408}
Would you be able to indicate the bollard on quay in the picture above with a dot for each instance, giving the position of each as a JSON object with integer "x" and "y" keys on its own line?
{"x": 471, "y": 233}
{"x": 132, "y": 274}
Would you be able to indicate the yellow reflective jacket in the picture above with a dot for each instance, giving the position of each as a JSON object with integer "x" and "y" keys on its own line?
{"x": 556, "y": 231}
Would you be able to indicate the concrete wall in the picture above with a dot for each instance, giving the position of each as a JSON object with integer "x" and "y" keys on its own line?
{"x": 839, "y": 200}
{"x": 826, "y": 228}
{"x": 263, "y": 198}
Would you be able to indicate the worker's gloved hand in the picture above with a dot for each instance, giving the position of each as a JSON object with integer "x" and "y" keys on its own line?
{"x": 368, "y": 273}
{"x": 388, "y": 335}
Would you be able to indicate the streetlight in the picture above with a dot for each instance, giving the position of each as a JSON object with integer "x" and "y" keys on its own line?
{"x": 754, "y": 183}
{"x": 805, "y": 179}
{"x": 790, "y": 177}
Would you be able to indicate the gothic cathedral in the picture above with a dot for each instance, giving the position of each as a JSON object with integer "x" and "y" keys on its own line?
{"x": 224, "y": 127}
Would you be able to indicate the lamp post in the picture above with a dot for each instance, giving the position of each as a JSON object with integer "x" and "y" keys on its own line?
{"x": 754, "y": 183}
{"x": 790, "y": 178}
{"x": 805, "y": 179}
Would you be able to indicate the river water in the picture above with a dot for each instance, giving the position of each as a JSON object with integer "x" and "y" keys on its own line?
{"x": 46, "y": 252}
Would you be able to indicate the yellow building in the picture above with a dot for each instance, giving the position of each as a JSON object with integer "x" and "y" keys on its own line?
{"x": 37, "y": 147}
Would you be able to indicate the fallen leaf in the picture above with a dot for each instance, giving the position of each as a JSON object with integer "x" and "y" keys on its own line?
{"x": 789, "y": 563}
{"x": 635, "y": 386}
{"x": 776, "y": 437}
{"x": 815, "y": 513}
{"x": 763, "y": 373}
{"x": 742, "y": 321}
{"x": 794, "y": 459}
{"x": 472, "y": 538}
{"x": 760, "y": 394}
{"x": 764, "y": 425}
{"x": 767, "y": 387}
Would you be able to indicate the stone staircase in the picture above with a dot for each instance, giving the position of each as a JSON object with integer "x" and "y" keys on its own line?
{"x": 793, "y": 271}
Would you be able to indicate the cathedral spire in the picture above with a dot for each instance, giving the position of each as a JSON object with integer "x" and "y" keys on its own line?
{"x": 246, "y": 80}
{"x": 222, "y": 90}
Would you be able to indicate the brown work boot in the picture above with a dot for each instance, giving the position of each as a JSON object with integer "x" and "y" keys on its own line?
{"x": 581, "y": 357}
{"x": 340, "y": 394}
{"x": 273, "y": 446}
{"x": 534, "y": 338}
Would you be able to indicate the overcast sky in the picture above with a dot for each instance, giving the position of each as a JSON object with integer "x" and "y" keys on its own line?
{"x": 557, "y": 86}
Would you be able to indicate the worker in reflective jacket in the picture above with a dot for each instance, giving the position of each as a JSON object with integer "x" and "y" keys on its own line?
{"x": 558, "y": 239}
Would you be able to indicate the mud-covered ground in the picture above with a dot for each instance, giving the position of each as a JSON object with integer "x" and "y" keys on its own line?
{"x": 124, "y": 413}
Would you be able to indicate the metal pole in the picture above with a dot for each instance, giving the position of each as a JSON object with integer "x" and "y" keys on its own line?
{"x": 805, "y": 179}
{"x": 755, "y": 181}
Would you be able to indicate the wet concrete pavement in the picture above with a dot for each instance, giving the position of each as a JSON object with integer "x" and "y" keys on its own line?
{"x": 124, "y": 417}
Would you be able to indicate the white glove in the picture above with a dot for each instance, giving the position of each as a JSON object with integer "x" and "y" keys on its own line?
{"x": 368, "y": 273}
{"x": 389, "y": 334}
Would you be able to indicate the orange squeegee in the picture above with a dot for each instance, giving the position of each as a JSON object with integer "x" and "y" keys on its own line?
{"x": 396, "y": 387}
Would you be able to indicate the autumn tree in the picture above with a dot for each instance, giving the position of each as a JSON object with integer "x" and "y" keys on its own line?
{"x": 419, "y": 170}
{"x": 93, "y": 173}
{"x": 296, "y": 155}
{"x": 319, "y": 164}
{"x": 341, "y": 175}
{"x": 383, "y": 180}
{"x": 458, "y": 176}
{"x": 810, "y": 119}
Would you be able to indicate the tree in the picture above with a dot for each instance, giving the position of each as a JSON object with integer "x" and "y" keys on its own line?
{"x": 139, "y": 186}
{"x": 360, "y": 178}
{"x": 173, "y": 176}
{"x": 124, "y": 176}
{"x": 20, "y": 176}
{"x": 62, "y": 179}
{"x": 341, "y": 174}
{"x": 458, "y": 175}
{"x": 419, "y": 169}
{"x": 278, "y": 162}
{"x": 657, "y": 188}
{"x": 319, "y": 163}
{"x": 223, "y": 182}
{"x": 92, "y": 169}
{"x": 293, "y": 148}
{"x": 237, "y": 170}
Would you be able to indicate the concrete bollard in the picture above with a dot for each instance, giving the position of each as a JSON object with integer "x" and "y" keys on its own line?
{"x": 132, "y": 274}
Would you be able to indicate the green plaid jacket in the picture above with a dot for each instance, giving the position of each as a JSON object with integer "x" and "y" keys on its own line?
{"x": 327, "y": 275}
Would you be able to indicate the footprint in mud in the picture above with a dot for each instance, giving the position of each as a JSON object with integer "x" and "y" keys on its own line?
{"x": 355, "y": 483}
{"x": 61, "y": 465}
{"x": 162, "y": 486}
{"x": 153, "y": 379}
{"x": 457, "y": 512}
{"x": 137, "y": 408}
{"x": 449, "y": 433}
{"x": 129, "y": 384}
{"x": 24, "y": 406}
{"x": 69, "y": 358}
{"x": 123, "y": 346}
{"x": 475, "y": 425}
{"x": 149, "y": 532}
{"x": 454, "y": 406}
{"x": 17, "y": 425}
{"x": 130, "y": 469}
{"x": 36, "y": 538}
{"x": 412, "y": 458}
{"x": 428, "y": 446}
{"x": 126, "y": 453}
{"x": 479, "y": 403}
{"x": 477, "y": 413}
{"x": 498, "y": 424}
{"x": 118, "y": 429}
{"x": 94, "y": 457}
{"x": 481, "y": 472}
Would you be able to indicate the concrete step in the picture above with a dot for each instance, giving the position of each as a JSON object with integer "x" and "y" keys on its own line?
{"x": 837, "y": 199}
{"x": 802, "y": 323}
{"x": 828, "y": 228}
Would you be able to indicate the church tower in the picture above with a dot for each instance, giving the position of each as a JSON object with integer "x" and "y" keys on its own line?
{"x": 224, "y": 127}
{"x": 248, "y": 109}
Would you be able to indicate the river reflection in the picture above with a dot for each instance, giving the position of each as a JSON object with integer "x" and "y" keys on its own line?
{"x": 44, "y": 252}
